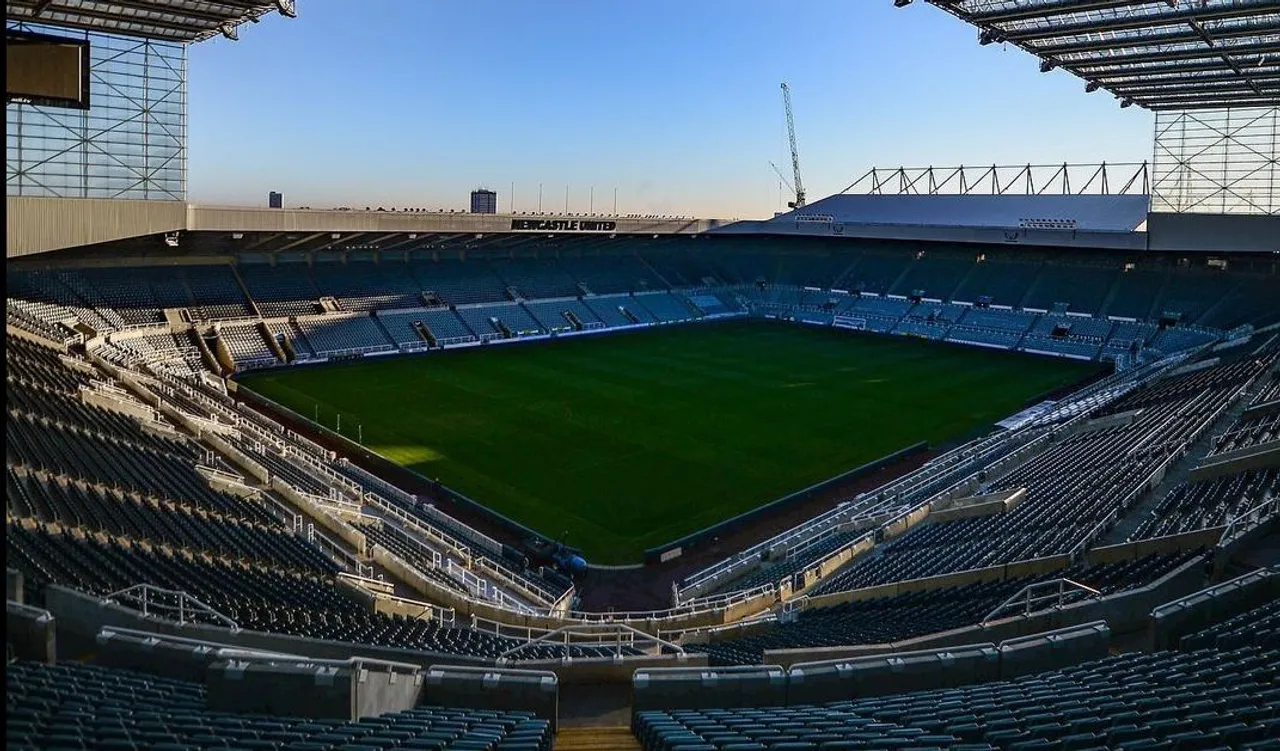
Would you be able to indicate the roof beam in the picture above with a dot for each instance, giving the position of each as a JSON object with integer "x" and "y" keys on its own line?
{"x": 1244, "y": 9}
{"x": 1171, "y": 67}
{"x": 1035, "y": 11}
{"x": 1138, "y": 92}
{"x": 108, "y": 19}
{"x": 150, "y": 32}
{"x": 1210, "y": 104}
{"x": 1176, "y": 77}
{"x": 1154, "y": 39}
{"x": 1198, "y": 53}
{"x": 176, "y": 11}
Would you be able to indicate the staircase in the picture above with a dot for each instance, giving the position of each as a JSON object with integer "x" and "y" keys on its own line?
{"x": 596, "y": 739}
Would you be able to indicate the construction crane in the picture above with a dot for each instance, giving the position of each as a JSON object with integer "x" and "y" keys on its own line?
{"x": 795, "y": 155}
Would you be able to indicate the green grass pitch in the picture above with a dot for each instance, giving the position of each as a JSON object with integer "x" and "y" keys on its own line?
{"x": 633, "y": 440}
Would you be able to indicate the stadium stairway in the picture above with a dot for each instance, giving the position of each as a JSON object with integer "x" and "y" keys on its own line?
{"x": 596, "y": 739}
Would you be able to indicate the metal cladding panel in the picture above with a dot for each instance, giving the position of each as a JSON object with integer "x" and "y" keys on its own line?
{"x": 1090, "y": 213}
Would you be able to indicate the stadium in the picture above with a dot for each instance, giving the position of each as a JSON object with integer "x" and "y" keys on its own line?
{"x": 956, "y": 458}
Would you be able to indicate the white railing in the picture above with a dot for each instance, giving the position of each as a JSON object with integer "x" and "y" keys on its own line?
{"x": 168, "y": 604}
{"x": 1034, "y": 598}
{"x": 616, "y": 635}
{"x": 1247, "y": 520}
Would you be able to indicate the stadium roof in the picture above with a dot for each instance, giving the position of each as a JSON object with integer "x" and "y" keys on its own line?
{"x": 1161, "y": 55}
{"x": 165, "y": 20}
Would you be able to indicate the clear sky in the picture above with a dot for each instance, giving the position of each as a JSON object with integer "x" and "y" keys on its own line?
{"x": 675, "y": 103}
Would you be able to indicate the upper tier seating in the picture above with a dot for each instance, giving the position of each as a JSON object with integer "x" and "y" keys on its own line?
{"x": 216, "y": 293}
{"x": 73, "y": 705}
{"x": 1135, "y": 293}
{"x": 875, "y": 272}
{"x": 1005, "y": 282}
{"x": 364, "y": 286}
{"x": 602, "y": 275}
{"x": 1192, "y": 294}
{"x": 537, "y": 277}
{"x": 936, "y": 275}
{"x": 680, "y": 268}
{"x": 459, "y": 282}
{"x": 283, "y": 290}
{"x": 1084, "y": 288}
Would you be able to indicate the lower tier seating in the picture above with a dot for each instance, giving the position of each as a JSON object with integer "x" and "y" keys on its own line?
{"x": 1207, "y": 699}
{"x": 887, "y": 619}
{"x": 84, "y": 706}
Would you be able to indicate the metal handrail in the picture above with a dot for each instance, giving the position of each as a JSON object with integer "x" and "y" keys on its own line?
{"x": 592, "y": 629}
{"x": 187, "y": 605}
{"x": 1058, "y": 591}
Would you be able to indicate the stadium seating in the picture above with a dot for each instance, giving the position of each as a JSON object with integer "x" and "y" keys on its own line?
{"x": 602, "y": 275}
{"x": 1073, "y": 488}
{"x": 888, "y": 619}
{"x": 1170, "y": 700}
{"x": 875, "y": 272}
{"x": 1211, "y": 503}
{"x": 1135, "y": 293}
{"x": 74, "y": 705}
{"x": 1004, "y": 281}
{"x": 1083, "y": 288}
{"x": 537, "y": 277}
{"x": 217, "y": 294}
{"x": 284, "y": 290}
{"x": 666, "y": 307}
{"x": 246, "y": 344}
{"x": 356, "y": 333}
{"x": 934, "y": 275}
{"x": 1258, "y": 627}
{"x": 459, "y": 282}
{"x": 367, "y": 286}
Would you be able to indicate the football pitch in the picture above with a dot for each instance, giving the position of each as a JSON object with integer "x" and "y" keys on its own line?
{"x": 629, "y": 441}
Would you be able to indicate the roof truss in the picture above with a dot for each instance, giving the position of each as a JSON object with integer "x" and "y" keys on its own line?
{"x": 161, "y": 20}
{"x": 1151, "y": 53}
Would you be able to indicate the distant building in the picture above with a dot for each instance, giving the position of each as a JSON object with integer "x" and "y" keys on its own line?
{"x": 275, "y": 200}
{"x": 484, "y": 201}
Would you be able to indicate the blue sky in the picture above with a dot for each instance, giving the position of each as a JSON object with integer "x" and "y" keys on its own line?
{"x": 675, "y": 103}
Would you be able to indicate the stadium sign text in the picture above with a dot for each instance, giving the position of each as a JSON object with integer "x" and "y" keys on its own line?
{"x": 562, "y": 225}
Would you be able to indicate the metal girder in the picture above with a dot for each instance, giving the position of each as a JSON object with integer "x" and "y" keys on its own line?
{"x": 1208, "y": 101}
{"x": 1122, "y": 77}
{"x": 1040, "y": 10}
{"x": 1255, "y": 86}
{"x": 167, "y": 20}
{"x": 1094, "y": 44}
{"x": 1126, "y": 23}
{"x": 1194, "y": 53}
{"x": 1147, "y": 47}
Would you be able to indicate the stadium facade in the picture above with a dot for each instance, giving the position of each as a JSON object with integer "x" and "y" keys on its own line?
{"x": 295, "y": 589}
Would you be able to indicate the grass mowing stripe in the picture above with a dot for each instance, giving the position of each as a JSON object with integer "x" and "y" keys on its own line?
{"x": 628, "y": 441}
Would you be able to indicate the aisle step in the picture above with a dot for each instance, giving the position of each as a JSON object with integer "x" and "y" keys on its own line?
{"x": 596, "y": 739}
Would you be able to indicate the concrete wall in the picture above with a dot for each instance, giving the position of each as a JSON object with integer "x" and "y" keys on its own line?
{"x": 1213, "y": 233}
{"x": 36, "y": 225}
{"x": 244, "y": 219}
{"x": 1241, "y": 460}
